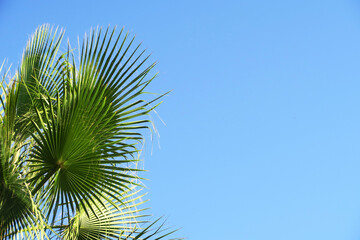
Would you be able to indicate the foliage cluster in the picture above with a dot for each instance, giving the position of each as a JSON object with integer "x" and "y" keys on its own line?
{"x": 70, "y": 140}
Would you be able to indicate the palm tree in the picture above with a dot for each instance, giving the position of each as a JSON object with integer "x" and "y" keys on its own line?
{"x": 71, "y": 131}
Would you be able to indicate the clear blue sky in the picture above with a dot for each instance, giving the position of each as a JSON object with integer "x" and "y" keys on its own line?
{"x": 263, "y": 125}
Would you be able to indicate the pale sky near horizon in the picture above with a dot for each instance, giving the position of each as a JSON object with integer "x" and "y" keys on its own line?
{"x": 262, "y": 127}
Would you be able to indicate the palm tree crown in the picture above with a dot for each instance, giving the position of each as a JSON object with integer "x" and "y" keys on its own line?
{"x": 70, "y": 139}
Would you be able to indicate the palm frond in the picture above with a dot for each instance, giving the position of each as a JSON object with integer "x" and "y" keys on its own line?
{"x": 108, "y": 221}
{"x": 38, "y": 73}
{"x": 71, "y": 133}
{"x": 85, "y": 140}
{"x": 17, "y": 209}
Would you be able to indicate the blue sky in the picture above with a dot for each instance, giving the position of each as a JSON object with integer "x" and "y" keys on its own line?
{"x": 262, "y": 127}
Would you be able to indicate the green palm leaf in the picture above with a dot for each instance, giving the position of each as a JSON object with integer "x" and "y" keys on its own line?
{"x": 38, "y": 73}
{"x": 71, "y": 137}
{"x": 109, "y": 221}
{"x": 17, "y": 209}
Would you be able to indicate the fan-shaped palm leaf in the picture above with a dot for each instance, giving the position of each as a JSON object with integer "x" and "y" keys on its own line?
{"x": 69, "y": 139}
